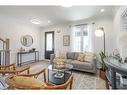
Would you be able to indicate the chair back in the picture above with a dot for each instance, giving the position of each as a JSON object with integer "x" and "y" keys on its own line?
{"x": 67, "y": 85}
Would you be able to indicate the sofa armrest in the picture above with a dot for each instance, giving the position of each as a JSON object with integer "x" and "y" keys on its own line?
{"x": 95, "y": 64}
{"x": 52, "y": 56}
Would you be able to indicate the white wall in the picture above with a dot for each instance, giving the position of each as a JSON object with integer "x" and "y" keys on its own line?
{"x": 119, "y": 31}
{"x": 58, "y": 38}
{"x": 106, "y": 22}
{"x": 14, "y": 30}
{"x": 117, "y": 21}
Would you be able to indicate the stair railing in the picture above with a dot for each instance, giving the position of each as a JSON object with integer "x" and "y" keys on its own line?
{"x": 4, "y": 52}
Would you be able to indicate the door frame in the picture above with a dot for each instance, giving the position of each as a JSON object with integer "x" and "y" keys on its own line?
{"x": 53, "y": 36}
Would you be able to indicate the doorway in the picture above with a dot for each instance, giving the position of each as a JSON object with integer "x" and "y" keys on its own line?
{"x": 49, "y": 44}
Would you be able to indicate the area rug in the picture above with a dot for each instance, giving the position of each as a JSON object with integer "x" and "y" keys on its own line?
{"x": 82, "y": 80}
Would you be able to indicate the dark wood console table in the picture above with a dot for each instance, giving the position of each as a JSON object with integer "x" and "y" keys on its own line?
{"x": 114, "y": 66}
{"x": 20, "y": 55}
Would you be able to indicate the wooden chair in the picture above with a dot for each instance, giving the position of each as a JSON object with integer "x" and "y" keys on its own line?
{"x": 4, "y": 67}
{"x": 11, "y": 69}
{"x": 68, "y": 85}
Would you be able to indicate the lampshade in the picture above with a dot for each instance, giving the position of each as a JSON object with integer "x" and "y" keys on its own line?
{"x": 99, "y": 32}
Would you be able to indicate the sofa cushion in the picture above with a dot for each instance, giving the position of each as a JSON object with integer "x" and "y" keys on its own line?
{"x": 81, "y": 57}
{"x": 82, "y": 65}
{"x": 27, "y": 81}
{"x": 88, "y": 58}
{"x": 68, "y": 61}
{"x": 70, "y": 55}
{"x": 76, "y": 55}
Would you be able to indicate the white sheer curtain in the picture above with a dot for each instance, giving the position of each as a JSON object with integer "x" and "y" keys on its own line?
{"x": 81, "y": 38}
{"x": 76, "y": 39}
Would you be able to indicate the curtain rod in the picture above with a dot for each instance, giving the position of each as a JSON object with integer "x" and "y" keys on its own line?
{"x": 77, "y": 25}
{"x": 80, "y": 24}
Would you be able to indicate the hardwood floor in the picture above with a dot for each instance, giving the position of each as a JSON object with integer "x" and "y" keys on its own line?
{"x": 100, "y": 83}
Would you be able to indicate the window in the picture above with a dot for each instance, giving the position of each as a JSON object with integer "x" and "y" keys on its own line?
{"x": 49, "y": 44}
{"x": 80, "y": 38}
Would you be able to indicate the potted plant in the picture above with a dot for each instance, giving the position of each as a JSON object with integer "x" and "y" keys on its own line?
{"x": 102, "y": 66}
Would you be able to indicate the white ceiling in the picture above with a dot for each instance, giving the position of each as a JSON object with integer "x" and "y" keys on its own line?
{"x": 56, "y": 14}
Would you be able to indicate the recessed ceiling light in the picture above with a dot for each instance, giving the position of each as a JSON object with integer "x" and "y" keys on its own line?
{"x": 66, "y": 6}
{"x": 35, "y": 21}
{"x": 102, "y": 10}
{"x": 49, "y": 21}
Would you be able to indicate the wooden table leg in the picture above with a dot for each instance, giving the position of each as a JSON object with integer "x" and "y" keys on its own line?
{"x": 28, "y": 71}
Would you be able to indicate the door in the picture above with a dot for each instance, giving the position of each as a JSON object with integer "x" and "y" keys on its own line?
{"x": 49, "y": 44}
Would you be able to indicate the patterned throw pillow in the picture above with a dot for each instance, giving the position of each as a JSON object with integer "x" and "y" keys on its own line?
{"x": 89, "y": 57}
{"x": 81, "y": 57}
{"x": 58, "y": 59}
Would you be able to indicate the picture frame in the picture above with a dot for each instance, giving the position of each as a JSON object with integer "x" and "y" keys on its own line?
{"x": 66, "y": 40}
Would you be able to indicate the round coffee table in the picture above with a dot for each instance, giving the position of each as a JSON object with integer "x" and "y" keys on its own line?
{"x": 59, "y": 76}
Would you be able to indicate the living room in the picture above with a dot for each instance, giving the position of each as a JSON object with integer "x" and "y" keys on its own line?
{"x": 36, "y": 38}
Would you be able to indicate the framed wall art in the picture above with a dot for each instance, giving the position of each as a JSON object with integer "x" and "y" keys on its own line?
{"x": 66, "y": 40}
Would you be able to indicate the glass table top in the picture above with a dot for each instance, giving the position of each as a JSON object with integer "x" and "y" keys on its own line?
{"x": 67, "y": 67}
{"x": 115, "y": 63}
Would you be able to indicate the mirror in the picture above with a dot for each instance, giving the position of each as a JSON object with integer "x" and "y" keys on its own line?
{"x": 27, "y": 40}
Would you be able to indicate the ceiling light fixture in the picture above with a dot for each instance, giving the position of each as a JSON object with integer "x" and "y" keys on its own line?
{"x": 35, "y": 21}
{"x": 49, "y": 21}
{"x": 102, "y": 10}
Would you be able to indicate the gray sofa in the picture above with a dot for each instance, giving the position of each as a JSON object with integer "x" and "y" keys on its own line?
{"x": 71, "y": 58}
